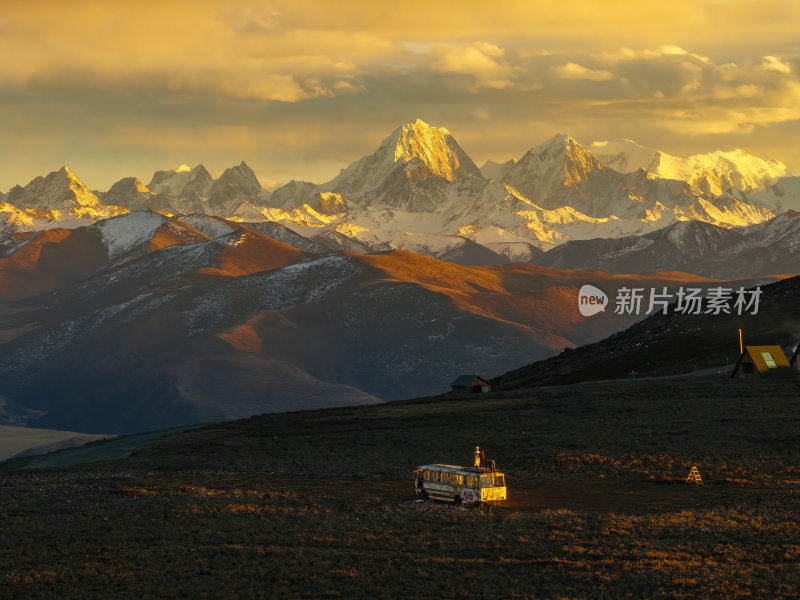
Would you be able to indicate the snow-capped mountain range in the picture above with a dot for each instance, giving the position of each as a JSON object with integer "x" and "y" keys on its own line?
{"x": 420, "y": 191}
{"x": 714, "y": 173}
{"x": 193, "y": 298}
{"x": 769, "y": 248}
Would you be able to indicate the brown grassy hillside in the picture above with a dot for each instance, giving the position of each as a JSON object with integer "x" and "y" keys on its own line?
{"x": 319, "y": 504}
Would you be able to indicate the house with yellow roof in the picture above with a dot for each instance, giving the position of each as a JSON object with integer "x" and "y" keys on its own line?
{"x": 761, "y": 360}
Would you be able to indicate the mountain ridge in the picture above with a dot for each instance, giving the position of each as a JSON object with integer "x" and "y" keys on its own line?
{"x": 420, "y": 180}
{"x": 199, "y": 328}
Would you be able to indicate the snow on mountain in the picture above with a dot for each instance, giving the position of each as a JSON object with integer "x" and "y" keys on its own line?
{"x": 679, "y": 247}
{"x": 515, "y": 248}
{"x": 783, "y": 195}
{"x": 176, "y": 348}
{"x": 36, "y": 262}
{"x": 551, "y": 174}
{"x": 727, "y": 210}
{"x": 61, "y": 196}
{"x": 58, "y": 200}
{"x": 713, "y": 173}
{"x": 432, "y": 148}
{"x": 622, "y": 155}
{"x": 303, "y": 216}
{"x": 13, "y": 220}
{"x": 182, "y": 180}
{"x": 237, "y": 183}
{"x": 420, "y": 181}
{"x": 451, "y": 248}
{"x": 335, "y": 241}
{"x": 60, "y": 189}
{"x": 473, "y": 254}
{"x": 717, "y": 172}
{"x": 497, "y": 171}
{"x": 213, "y": 227}
{"x": 768, "y": 248}
{"x": 279, "y": 232}
{"x": 11, "y": 242}
{"x": 506, "y": 209}
{"x": 124, "y": 233}
{"x": 560, "y": 173}
{"x": 412, "y": 170}
{"x": 292, "y": 194}
{"x": 129, "y": 193}
{"x": 515, "y": 252}
{"x": 236, "y": 194}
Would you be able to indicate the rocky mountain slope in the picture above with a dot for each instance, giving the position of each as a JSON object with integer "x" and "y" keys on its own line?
{"x": 142, "y": 321}
{"x": 59, "y": 199}
{"x": 769, "y": 248}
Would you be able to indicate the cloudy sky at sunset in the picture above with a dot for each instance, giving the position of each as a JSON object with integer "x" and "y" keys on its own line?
{"x": 300, "y": 89}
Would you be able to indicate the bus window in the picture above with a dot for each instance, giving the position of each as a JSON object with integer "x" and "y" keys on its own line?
{"x": 427, "y": 475}
{"x": 499, "y": 481}
{"x": 472, "y": 481}
{"x": 486, "y": 481}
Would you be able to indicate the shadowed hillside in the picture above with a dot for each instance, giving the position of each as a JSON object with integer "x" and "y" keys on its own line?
{"x": 170, "y": 327}
{"x": 670, "y": 344}
{"x": 320, "y": 504}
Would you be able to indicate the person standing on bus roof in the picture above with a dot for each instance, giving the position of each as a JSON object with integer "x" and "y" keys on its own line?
{"x": 478, "y": 456}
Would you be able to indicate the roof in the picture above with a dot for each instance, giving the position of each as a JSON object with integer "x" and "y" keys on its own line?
{"x": 766, "y": 357}
{"x": 467, "y": 380}
{"x": 462, "y": 470}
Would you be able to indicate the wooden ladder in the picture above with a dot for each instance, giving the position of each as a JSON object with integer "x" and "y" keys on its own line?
{"x": 694, "y": 477}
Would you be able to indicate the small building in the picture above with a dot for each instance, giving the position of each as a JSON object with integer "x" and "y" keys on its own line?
{"x": 470, "y": 384}
{"x": 760, "y": 360}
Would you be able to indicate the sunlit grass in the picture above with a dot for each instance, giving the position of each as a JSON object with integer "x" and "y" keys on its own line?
{"x": 322, "y": 512}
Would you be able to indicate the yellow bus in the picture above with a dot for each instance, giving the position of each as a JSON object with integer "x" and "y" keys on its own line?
{"x": 468, "y": 485}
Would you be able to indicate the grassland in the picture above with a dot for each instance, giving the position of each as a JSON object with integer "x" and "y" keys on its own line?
{"x": 320, "y": 505}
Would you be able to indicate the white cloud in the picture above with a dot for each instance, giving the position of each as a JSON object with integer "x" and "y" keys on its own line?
{"x": 573, "y": 70}
{"x": 674, "y": 50}
{"x": 482, "y": 60}
{"x": 770, "y": 63}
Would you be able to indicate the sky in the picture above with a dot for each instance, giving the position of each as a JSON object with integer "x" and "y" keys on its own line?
{"x": 300, "y": 89}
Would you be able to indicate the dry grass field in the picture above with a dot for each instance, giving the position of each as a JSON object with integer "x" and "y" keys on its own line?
{"x": 320, "y": 504}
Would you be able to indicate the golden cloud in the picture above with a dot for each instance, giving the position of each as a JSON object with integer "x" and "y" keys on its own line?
{"x": 482, "y": 60}
{"x": 573, "y": 70}
{"x": 511, "y": 72}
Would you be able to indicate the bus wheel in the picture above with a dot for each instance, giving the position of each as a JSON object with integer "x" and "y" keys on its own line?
{"x": 457, "y": 500}
{"x": 424, "y": 495}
